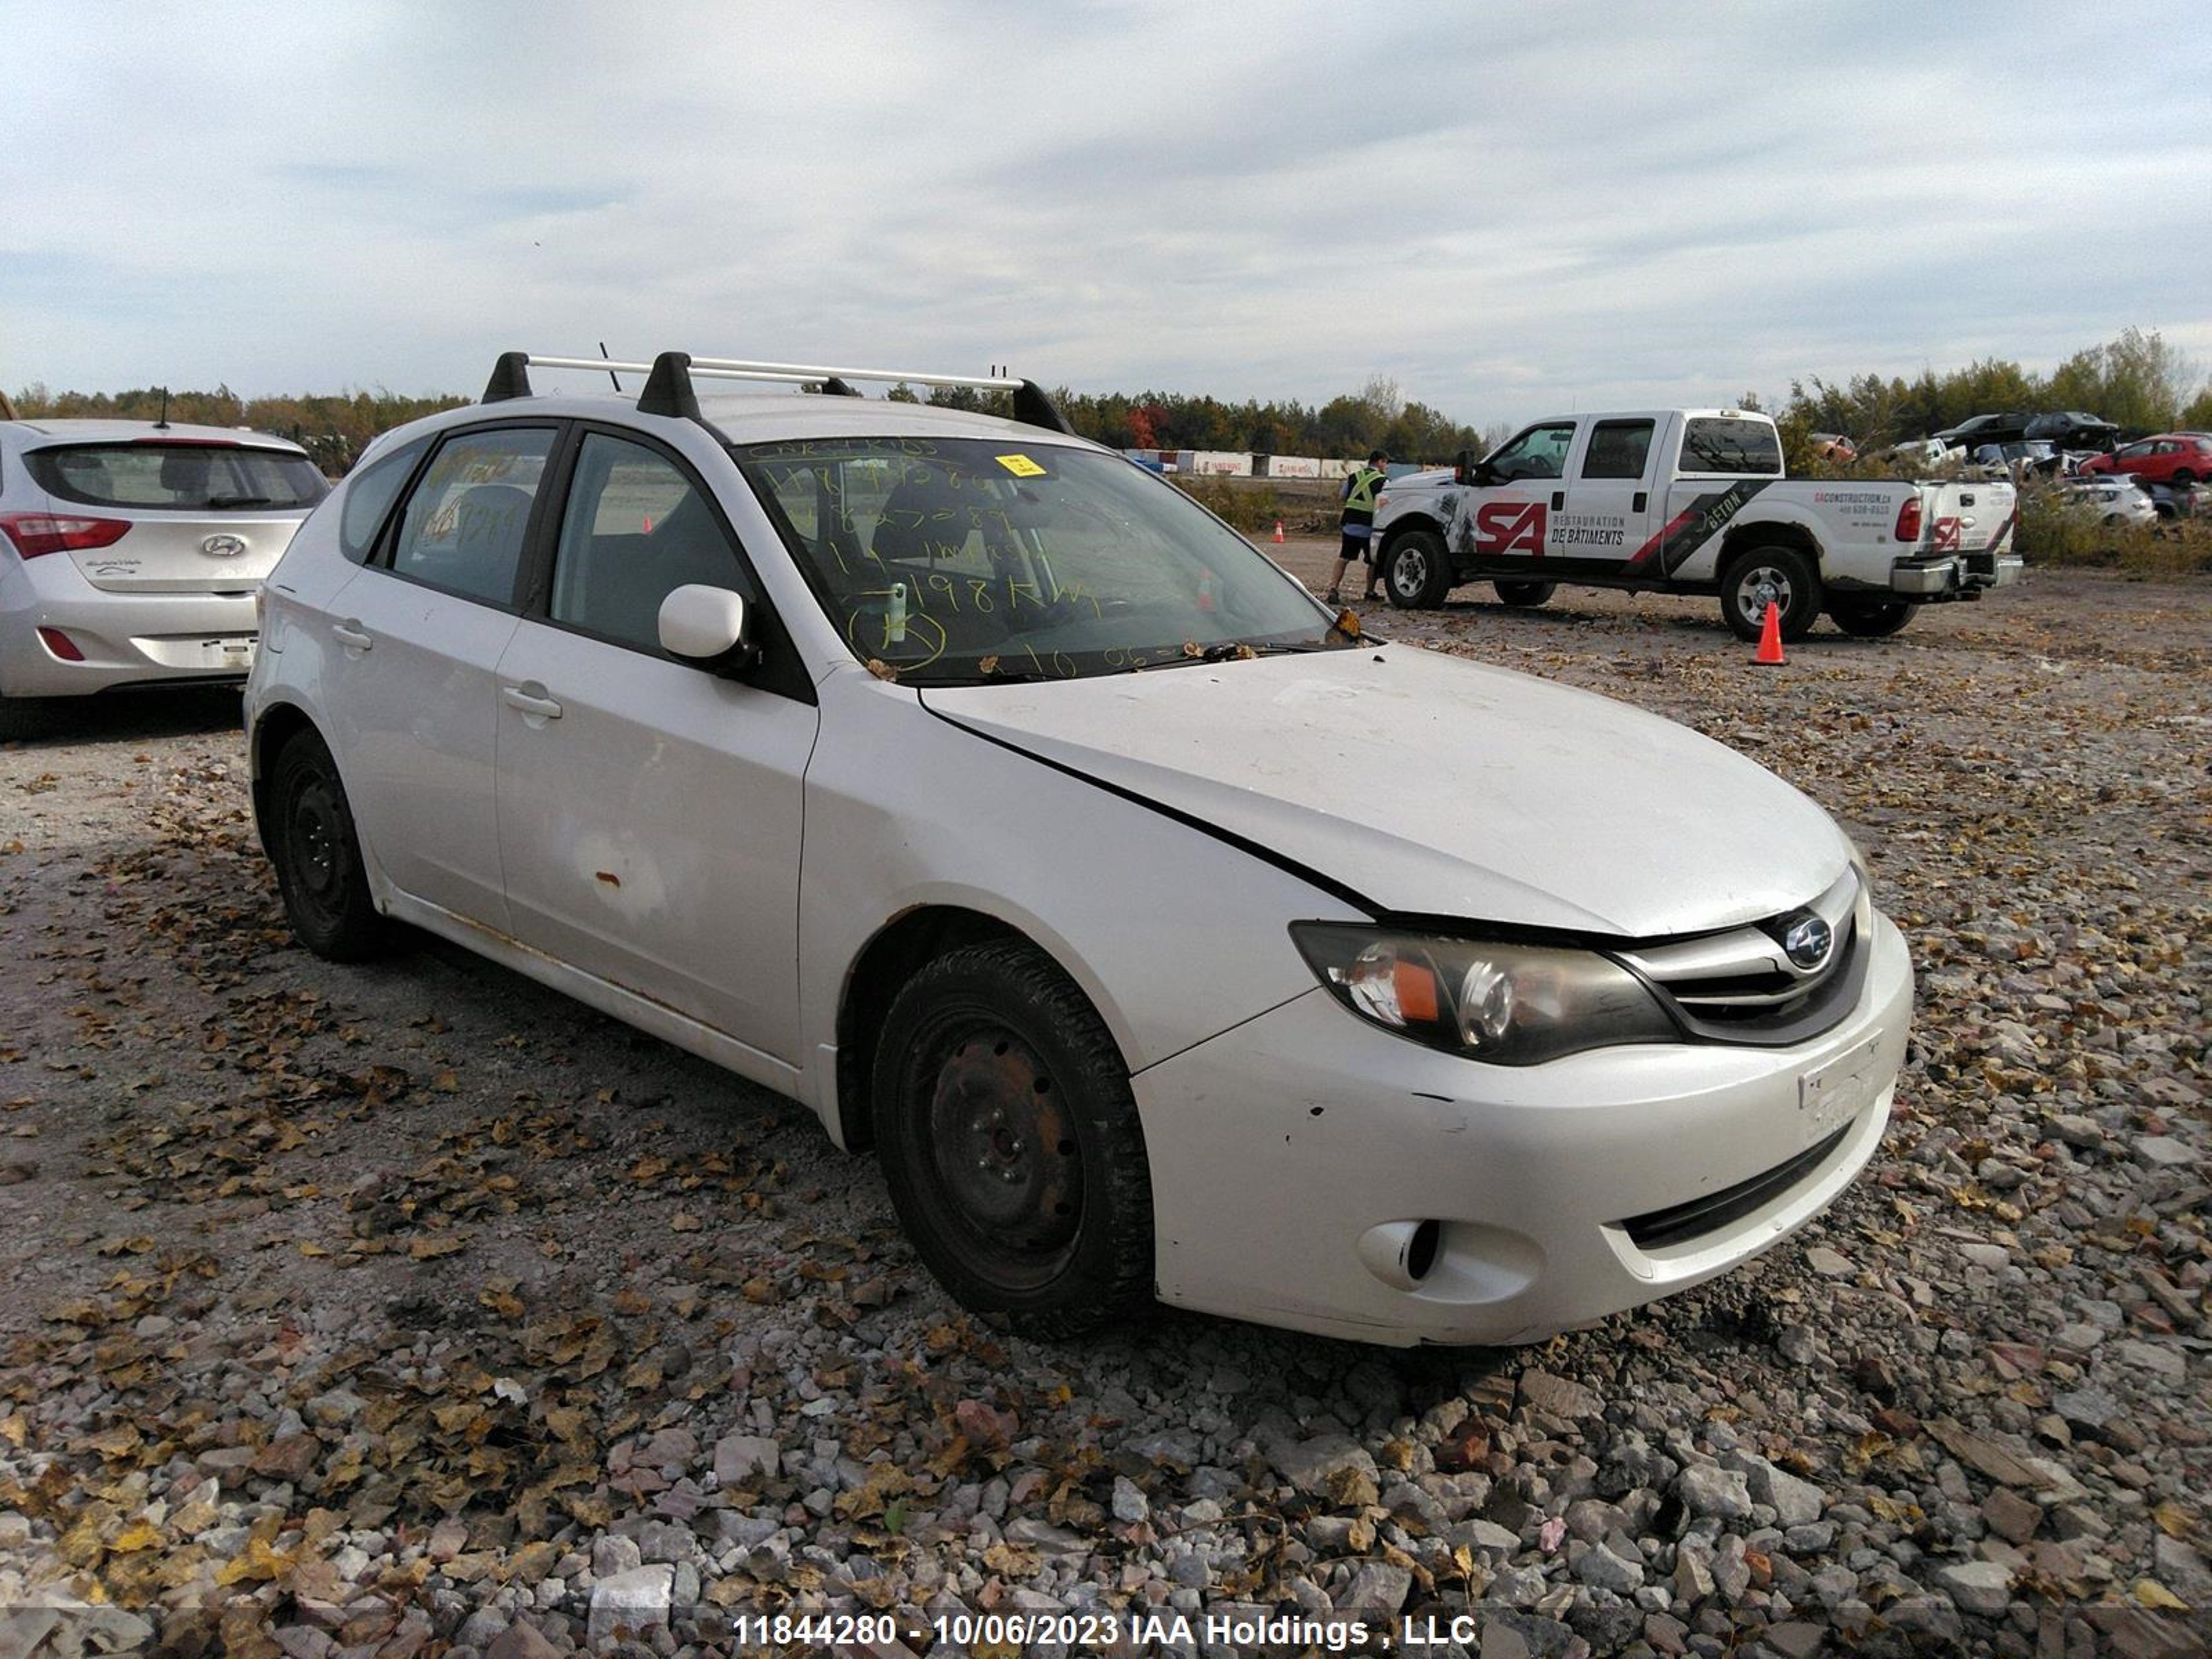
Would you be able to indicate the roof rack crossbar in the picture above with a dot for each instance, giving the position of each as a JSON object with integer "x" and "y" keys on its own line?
{"x": 669, "y": 377}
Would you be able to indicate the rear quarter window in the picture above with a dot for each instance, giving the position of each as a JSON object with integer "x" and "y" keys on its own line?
{"x": 368, "y": 497}
{"x": 177, "y": 477}
{"x": 1718, "y": 443}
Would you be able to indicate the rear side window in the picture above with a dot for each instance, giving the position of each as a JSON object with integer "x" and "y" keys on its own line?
{"x": 1719, "y": 443}
{"x": 636, "y": 529}
{"x": 369, "y": 495}
{"x": 176, "y": 477}
{"x": 1618, "y": 449}
{"x": 463, "y": 527}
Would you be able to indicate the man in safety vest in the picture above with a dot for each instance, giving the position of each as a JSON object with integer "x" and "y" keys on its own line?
{"x": 1359, "y": 492}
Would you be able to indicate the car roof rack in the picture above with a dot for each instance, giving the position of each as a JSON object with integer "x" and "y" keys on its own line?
{"x": 668, "y": 389}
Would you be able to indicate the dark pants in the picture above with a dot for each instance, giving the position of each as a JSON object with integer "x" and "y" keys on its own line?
{"x": 1359, "y": 543}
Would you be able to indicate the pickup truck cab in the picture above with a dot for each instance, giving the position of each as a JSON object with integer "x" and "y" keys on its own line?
{"x": 1692, "y": 501}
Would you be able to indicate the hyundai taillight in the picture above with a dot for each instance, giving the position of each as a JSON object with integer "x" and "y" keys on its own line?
{"x": 35, "y": 533}
{"x": 1908, "y": 519}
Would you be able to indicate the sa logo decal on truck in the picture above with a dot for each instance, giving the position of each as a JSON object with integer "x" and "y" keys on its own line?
{"x": 1510, "y": 527}
{"x": 1946, "y": 535}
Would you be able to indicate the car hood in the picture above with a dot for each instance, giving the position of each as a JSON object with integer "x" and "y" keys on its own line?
{"x": 1432, "y": 786}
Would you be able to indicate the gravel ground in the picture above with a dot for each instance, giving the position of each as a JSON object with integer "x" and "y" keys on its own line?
{"x": 409, "y": 1308}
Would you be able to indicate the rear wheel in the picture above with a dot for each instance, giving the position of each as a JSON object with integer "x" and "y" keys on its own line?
{"x": 1416, "y": 573}
{"x": 1780, "y": 576}
{"x": 1525, "y": 594}
{"x": 2183, "y": 477}
{"x": 317, "y": 853}
{"x": 1010, "y": 1143}
{"x": 1866, "y": 618}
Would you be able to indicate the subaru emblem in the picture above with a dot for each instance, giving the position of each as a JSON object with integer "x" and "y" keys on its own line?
{"x": 222, "y": 547}
{"x": 1807, "y": 941}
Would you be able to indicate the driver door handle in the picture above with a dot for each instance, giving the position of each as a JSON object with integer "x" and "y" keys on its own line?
{"x": 350, "y": 632}
{"x": 531, "y": 699}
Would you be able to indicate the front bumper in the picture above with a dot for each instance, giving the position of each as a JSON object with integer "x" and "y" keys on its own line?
{"x": 125, "y": 638}
{"x": 1282, "y": 1151}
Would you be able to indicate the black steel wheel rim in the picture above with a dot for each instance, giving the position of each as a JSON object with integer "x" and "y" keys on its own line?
{"x": 1005, "y": 1172}
{"x": 315, "y": 837}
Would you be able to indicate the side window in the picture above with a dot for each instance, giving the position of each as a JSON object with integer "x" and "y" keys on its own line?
{"x": 1618, "y": 449}
{"x": 1539, "y": 452}
{"x": 463, "y": 527}
{"x": 635, "y": 529}
{"x": 369, "y": 498}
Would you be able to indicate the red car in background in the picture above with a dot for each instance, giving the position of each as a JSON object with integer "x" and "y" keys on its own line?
{"x": 2170, "y": 457}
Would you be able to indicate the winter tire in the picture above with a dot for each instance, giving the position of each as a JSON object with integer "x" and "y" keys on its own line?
{"x": 1010, "y": 1143}
{"x": 316, "y": 853}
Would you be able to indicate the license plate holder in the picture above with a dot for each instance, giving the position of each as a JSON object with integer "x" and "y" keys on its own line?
{"x": 1836, "y": 1091}
{"x": 233, "y": 653}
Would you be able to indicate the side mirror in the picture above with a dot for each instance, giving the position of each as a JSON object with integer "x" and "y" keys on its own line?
{"x": 1486, "y": 474}
{"x": 1463, "y": 466}
{"x": 707, "y": 627}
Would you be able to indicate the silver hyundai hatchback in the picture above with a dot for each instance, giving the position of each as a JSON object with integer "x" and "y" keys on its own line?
{"x": 130, "y": 551}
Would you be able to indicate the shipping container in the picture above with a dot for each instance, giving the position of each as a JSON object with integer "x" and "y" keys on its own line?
{"x": 1221, "y": 462}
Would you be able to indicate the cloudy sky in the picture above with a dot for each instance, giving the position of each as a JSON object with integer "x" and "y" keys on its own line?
{"x": 1509, "y": 210}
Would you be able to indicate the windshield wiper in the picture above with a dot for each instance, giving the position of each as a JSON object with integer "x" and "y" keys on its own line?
{"x": 237, "y": 501}
{"x": 1228, "y": 650}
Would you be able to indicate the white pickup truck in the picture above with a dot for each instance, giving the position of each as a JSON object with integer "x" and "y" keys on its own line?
{"x": 1692, "y": 501}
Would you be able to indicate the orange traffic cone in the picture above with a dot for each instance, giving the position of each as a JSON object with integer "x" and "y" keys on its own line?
{"x": 1279, "y": 533}
{"x": 1770, "y": 639}
{"x": 647, "y": 531}
{"x": 1205, "y": 592}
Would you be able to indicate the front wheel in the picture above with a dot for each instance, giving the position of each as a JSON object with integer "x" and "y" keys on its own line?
{"x": 1528, "y": 594}
{"x": 1416, "y": 572}
{"x": 316, "y": 853}
{"x": 1869, "y": 618}
{"x": 1011, "y": 1142}
{"x": 2183, "y": 477}
{"x": 1780, "y": 576}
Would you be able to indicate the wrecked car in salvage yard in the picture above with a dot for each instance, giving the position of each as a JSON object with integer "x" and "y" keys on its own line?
{"x": 1165, "y": 936}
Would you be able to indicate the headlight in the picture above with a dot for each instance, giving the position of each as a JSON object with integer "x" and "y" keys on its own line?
{"x": 1507, "y": 1004}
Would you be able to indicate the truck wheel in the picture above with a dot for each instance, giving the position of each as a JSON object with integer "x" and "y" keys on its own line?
{"x": 1864, "y": 618}
{"x": 1415, "y": 572}
{"x": 1770, "y": 575}
{"x": 1525, "y": 594}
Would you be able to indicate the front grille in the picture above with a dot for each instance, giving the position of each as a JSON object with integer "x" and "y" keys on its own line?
{"x": 1681, "y": 1224}
{"x": 1740, "y": 985}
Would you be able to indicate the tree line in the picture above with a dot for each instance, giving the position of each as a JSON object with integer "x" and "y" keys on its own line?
{"x": 2136, "y": 381}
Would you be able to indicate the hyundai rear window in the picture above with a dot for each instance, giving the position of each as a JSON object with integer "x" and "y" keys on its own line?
{"x": 183, "y": 477}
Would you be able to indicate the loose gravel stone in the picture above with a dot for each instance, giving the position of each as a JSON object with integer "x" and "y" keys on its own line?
{"x": 455, "y": 1316}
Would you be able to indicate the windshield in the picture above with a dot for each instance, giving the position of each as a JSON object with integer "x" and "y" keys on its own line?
{"x": 195, "y": 475}
{"x": 956, "y": 560}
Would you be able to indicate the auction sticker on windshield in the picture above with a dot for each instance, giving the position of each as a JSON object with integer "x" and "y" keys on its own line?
{"x": 1021, "y": 466}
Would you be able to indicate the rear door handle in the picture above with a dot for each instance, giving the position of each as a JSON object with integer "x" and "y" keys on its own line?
{"x": 1643, "y": 500}
{"x": 1558, "y": 501}
{"x": 350, "y": 632}
{"x": 531, "y": 699}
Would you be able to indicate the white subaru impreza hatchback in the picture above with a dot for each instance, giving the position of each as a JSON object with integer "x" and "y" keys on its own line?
{"x": 1165, "y": 936}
